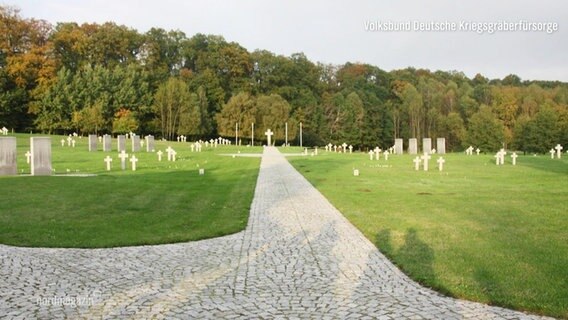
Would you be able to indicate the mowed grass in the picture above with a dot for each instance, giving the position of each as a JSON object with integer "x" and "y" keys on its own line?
{"x": 494, "y": 234}
{"x": 161, "y": 202}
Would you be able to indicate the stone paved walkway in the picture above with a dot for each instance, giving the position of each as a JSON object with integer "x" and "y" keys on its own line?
{"x": 298, "y": 258}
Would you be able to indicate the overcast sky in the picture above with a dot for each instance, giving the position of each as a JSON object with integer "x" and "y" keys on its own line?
{"x": 333, "y": 31}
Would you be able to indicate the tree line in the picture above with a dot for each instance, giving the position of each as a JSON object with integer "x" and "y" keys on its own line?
{"x": 108, "y": 78}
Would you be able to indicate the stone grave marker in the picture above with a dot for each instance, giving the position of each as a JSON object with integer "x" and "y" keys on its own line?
{"x": 426, "y": 157}
{"x": 477, "y": 151}
{"x": 150, "y": 143}
{"x": 92, "y": 142}
{"x": 441, "y": 145}
{"x": 316, "y": 150}
{"x": 417, "y": 163}
{"x": 201, "y": 171}
{"x": 8, "y": 156}
{"x": 4, "y": 131}
{"x": 69, "y": 139}
{"x": 121, "y": 143}
{"x": 169, "y": 151}
{"x": 28, "y": 155}
{"x": 558, "y": 150}
{"x": 378, "y": 153}
{"x": 514, "y": 158}
{"x": 123, "y": 156}
{"x": 350, "y": 149}
{"x": 108, "y": 161}
{"x": 159, "y": 153}
{"x": 133, "y": 160}
{"x": 386, "y": 154}
{"x": 441, "y": 162}
{"x": 344, "y": 147}
{"x": 398, "y": 146}
{"x": 371, "y": 153}
{"x": 552, "y": 153}
{"x": 427, "y": 145}
{"x": 356, "y": 172}
{"x": 107, "y": 143}
{"x": 412, "y": 146}
{"x": 41, "y": 156}
{"x": 63, "y": 142}
{"x": 73, "y": 143}
{"x": 136, "y": 143}
{"x": 268, "y": 134}
{"x": 173, "y": 153}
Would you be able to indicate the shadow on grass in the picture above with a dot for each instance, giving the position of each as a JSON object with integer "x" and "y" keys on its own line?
{"x": 556, "y": 166}
{"x": 414, "y": 257}
{"x": 491, "y": 288}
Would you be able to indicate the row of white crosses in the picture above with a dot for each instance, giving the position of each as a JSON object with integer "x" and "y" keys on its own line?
{"x": 558, "y": 151}
{"x": 181, "y": 138}
{"x": 377, "y": 153}
{"x": 469, "y": 151}
{"x": 500, "y": 157}
{"x": 123, "y": 156}
{"x": 196, "y": 147}
{"x": 424, "y": 159}
{"x": 4, "y": 131}
{"x": 70, "y": 142}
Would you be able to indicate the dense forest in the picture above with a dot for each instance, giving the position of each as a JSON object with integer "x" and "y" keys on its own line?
{"x": 108, "y": 78}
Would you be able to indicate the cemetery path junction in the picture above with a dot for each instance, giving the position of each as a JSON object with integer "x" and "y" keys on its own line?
{"x": 297, "y": 258}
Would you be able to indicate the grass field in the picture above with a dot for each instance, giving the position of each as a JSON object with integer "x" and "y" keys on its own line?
{"x": 495, "y": 234}
{"x": 161, "y": 202}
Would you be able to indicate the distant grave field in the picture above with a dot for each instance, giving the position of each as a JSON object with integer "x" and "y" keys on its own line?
{"x": 84, "y": 205}
{"x": 476, "y": 230}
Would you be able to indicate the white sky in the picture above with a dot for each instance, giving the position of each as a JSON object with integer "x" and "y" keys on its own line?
{"x": 333, "y": 31}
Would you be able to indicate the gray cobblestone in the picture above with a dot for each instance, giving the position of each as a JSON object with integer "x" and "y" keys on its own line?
{"x": 297, "y": 258}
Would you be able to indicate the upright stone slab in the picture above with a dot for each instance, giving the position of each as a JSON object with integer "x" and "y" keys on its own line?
{"x": 135, "y": 143}
{"x": 398, "y": 146}
{"x": 441, "y": 145}
{"x": 121, "y": 143}
{"x": 107, "y": 143}
{"x": 8, "y": 155}
{"x": 413, "y": 146}
{"x": 427, "y": 145}
{"x": 150, "y": 144}
{"x": 93, "y": 142}
{"x": 41, "y": 156}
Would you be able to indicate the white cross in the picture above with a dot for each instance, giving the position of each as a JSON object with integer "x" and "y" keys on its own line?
{"x": 63, "y": 142}
{"x": 441, "y": 162}
{"x": 371, "y": 153}
{"x": 69, "y": 141}
{"x": 498, "y": 158}
{"x": 417, "y": 163}
{"x": 426, "y": 157}
{"x": 133, "y": 160}
{"x": 386, "y": 153}
{"x": 173, "y": 153}
{"x": 350, "y": 149}
{"x": 334, "y": 148}
{"x": 344, "y": 145}
{"x": 552, "y": 152}
{"x": 73, "y": 143}
{"x": 502, "y": 158}
{"x": 28, "y": 156}
{"x": 169, "y": 151}
{"x": 108, "y": 160}
{"x": 559, "y": 150}
{"x": 316, "y": 151}
{"x": 4, "y": 131}
{"x": 514, "y": 157}
{"x": 477, "y": 151}
{"x": 123, "y": 156}
{"x": 269, "y": 134}
{"x": 378, "y": 153}
{"x": 159, "y": 153}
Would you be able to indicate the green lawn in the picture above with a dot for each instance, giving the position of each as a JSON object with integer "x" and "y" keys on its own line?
{"x": 477, "y": 231}
{"x": 161, "y": 202}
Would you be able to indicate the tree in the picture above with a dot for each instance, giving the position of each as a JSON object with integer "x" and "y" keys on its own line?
{"x": 241, "y": 110}
{"x": 485, "y": 131}
{"x": 124, "y": 121}
{"x": 273, "y": 112}
{"x": 173, "y": 103}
